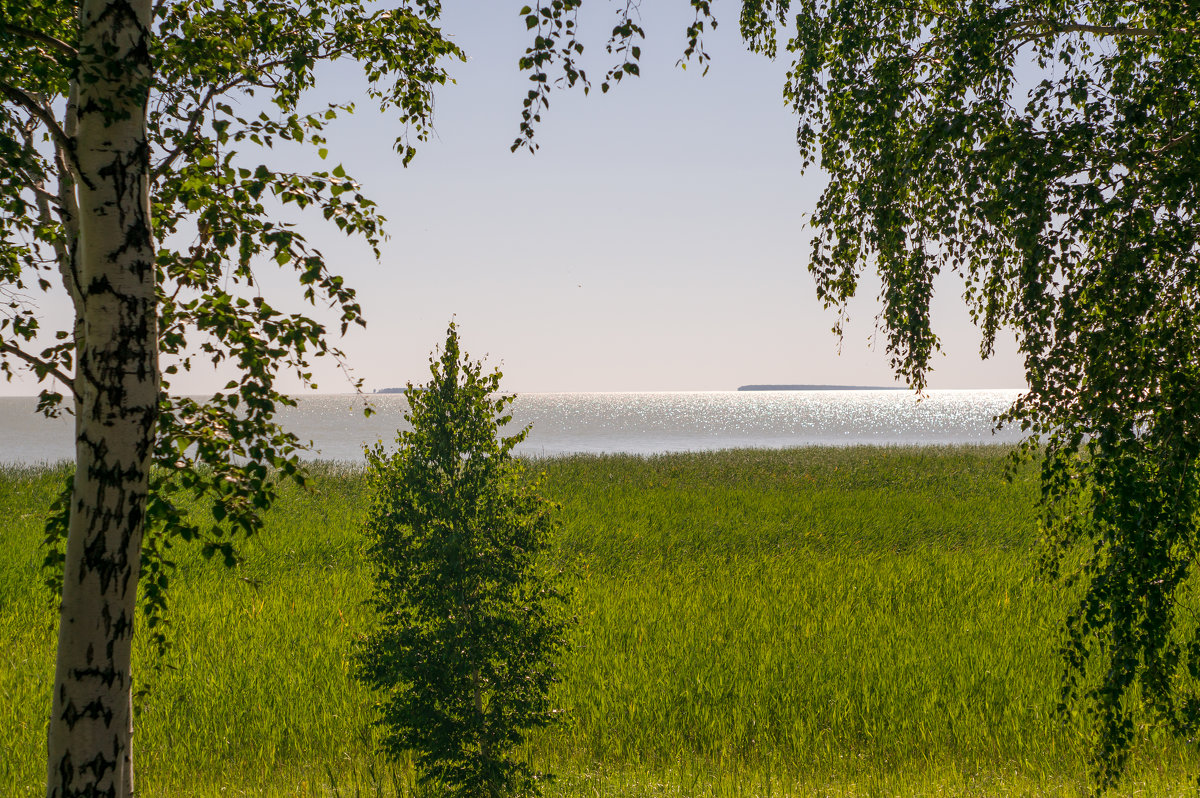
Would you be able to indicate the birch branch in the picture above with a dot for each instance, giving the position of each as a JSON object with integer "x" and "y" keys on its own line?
{"x": 39, "y": 112}
{"x": 40, "y": 367}
{"x": 43, "y": 38}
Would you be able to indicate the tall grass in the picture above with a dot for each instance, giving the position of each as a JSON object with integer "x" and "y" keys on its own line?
{"x": 851, "y": 622}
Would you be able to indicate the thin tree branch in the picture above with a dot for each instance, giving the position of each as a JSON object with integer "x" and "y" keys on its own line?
{"x": 39, "y": 366}
{"x": 43, "y": 197}
{"x": 37, "y": 184}
{"x": 38, "y": 36}
{"x": 197, "y": 117}
{"x": 31, "y": 105}
{"x": 1054, "y": 28}
{"x": 1175, "y": 142}
{"x": 1049, "y": 26}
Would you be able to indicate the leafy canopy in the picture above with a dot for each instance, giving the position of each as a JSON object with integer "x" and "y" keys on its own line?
{"x": 216, "y": 220}
{"x": 1046, "y": 151}
{"x": 231, "y": 80}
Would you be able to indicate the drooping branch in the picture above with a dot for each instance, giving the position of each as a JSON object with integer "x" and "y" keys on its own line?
{"x": 39, "y": 366}
{"x": 43, "y": 38}
{"x": 41, "y": 113}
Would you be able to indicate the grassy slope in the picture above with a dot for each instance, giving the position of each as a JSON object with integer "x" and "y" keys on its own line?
{"x": 818, "y": 621}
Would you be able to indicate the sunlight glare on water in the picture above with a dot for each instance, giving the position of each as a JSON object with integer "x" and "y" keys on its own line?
{"x": 639, "y": 423}
{"x": 646, "y": 423}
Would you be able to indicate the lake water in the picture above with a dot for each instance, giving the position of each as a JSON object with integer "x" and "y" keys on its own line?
{"x": 640, "y": 423}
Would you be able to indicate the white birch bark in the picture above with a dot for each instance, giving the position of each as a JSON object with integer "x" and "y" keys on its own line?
{"x": 116, "y": 386}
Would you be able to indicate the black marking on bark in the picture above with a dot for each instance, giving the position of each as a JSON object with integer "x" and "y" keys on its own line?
{"x": 115, "y": 424}
{"x": 93, "y": 710}
{"x": 98, "y": 562}
{"x": 99, "y": 285}
{"x": 107, "y": 675}
{"x": 98, "y": 765}
{"x": 116, "y": 630}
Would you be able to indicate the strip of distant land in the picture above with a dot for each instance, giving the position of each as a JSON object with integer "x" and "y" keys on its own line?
{"x": 822, "y": 388}
{"x": 767, "y": 388}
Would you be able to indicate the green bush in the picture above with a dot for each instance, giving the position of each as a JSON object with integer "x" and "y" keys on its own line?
{"x": 472, "y": 620}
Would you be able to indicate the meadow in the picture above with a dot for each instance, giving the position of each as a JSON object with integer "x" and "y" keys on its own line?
{"x": 834, "y": 622}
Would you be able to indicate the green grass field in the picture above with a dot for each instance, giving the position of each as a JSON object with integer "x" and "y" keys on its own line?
{"x": 839, "y": 622}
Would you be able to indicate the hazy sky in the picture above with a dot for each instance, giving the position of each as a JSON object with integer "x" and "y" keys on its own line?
{"x": 656, "y": 241}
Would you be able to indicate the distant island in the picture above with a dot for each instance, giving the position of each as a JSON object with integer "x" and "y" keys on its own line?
{"x": 822, "y": 388}
{"x": 766, "y": 388}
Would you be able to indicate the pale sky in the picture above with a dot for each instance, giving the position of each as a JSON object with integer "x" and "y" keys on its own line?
{"x": 656, "y": 241}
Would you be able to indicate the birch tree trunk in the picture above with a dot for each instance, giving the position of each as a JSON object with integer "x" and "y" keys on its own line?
{"x": 116, "y": 386}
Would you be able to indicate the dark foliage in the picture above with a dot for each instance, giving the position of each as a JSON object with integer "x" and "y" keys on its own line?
{"x": 472, "y": 616}
{"x": 1049, "y": 154}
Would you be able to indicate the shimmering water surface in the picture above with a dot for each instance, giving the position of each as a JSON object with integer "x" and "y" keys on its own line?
{"x": 641, "y": 423}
